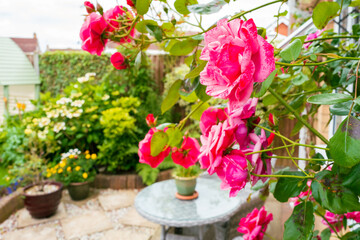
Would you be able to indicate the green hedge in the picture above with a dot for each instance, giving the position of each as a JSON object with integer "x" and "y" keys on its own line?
{"x": 58, "y": 69}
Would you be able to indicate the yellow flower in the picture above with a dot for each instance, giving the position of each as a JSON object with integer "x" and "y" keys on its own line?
{"x": 60, "y": 170}
{"x": 71, "y": 156}
{"x": 77, "y": 168}
{"x": 57, "y": 166}
{"x": 53, "y": 170}
{"x": 88, "y": 156}
{"x": 62, "y": 164}
{"x": 48, "y": 175}
{"x": 68, "y": 169}
{"x": 87, "y": 152}
{"x": 93, "y": 156}
{"x": 85, "y": 175}
{"x": 7, "y": 179}
{"x": 28, "y": 131}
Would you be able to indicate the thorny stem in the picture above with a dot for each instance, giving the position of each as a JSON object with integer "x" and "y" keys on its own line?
{"x": 284, "y": 176}
{"x": 299, "y": 118}
{"x": 292, "y": 159}
{"x": 315, "y": 64}
{"x": 296, "y": 158}
{"x": 261, "y": 6}
{"x": 332, "y": 37}
{"x": 269, "y": 149}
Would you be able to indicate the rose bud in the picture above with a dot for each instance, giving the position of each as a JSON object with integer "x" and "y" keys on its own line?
{"x": 89, "y": 7}
{"x": 150, "y": 120}
{"x": 118, "y": 61}
{"x": 131, "y": 3}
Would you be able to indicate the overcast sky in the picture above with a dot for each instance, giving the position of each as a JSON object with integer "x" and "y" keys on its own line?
{"x": 57, "y": 22}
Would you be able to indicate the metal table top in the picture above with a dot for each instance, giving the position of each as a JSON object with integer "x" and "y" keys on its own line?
{"x": 158, "y": 203}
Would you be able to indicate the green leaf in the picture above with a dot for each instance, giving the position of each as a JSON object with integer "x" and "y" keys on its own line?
{"x": 300, "y": 79}
{"x": 164, "y": 125}
{"x": 324, "y": 12}
{"x": 158, "y": 141}
{"x": 345, "y": 144}
{"x": 329, "y": 98}
{"x": 301, "y": 223}
{"x": 289, "y": 187}
{"x": 168, "y": 27}
{"x": 352, "y": 180}
{"x": 198, "y": 37}
{"x": 208, "y": 8}
{"x": 357, "y": 100}
{"x": 330, "y": 197}
{"x": 175, "y": 136}
{"x": 196, "y": 71}
{"x": 325, "y": 234}
{"x": 181, "y": 6}
{"x": 172, "y": 97}
{"x": 141, "y": 26}
{"x": 197, "y": 114}
{"x": 147, "y": 173}
{"x": 201, "y": 92}
{"x": 292, "y": 51}
{"x": 282, "y": 14}
{"x": 140, "y": 60}
{"x": 142, "y": 6}
{"x": 266, "y": 84}
{"x": 341, "y": 109}
{"x": 155, "y": 31}
{"x": 185, "y": 47}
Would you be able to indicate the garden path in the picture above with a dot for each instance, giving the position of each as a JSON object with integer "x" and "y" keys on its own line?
{"x": 106, "y": 215}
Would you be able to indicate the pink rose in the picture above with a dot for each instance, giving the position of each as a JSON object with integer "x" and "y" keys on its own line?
{"x": 150, "y": 120}
{"x": 118, "y": 61}
{"x": 303, "y": 195}
{"x": 145, "y": 151}
{"x": 131, "y": 3}
{"x": 220, "y": 139}
{"x": 187, "y": 155}
{"x": 254, "y": 225}
{"x": 312, "y": 36}
{"x": 89, "y": 7}
{"x": 233, "y": 172}
{"x": 210, "y": 117}
{"x": 91, "y": 34}
{"x": 118, "y": 13}
{"x": 335, "y": 220}
{"x": 354, "y": 215}
{"x": 237, "y": 57}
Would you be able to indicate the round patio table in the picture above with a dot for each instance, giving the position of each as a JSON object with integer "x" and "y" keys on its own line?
{"x": 158, "y": 204}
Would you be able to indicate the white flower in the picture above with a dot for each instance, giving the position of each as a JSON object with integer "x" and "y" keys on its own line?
{"x": 76, "y": 86}
{"x": 59, "y": 126}
{"x": 77, "y": 113}
{"x": 42, "y": 134}
{"x": 83, "y": 79}
{"x": 105, "y": 97}
{"x": 63, "y": 101}
{"x": 77, "y": 103}
{"x": 87, "y": 75}
{"x": 28, "y": 131}
{"x": 44, "y": 121}
{"x": 53, "y": 114}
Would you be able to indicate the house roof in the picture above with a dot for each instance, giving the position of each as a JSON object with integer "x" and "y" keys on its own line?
{"x": 28, "y": 45}
{"x": 15, "y": 67}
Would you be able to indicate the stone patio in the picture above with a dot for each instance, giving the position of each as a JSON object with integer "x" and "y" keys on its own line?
{"x": 105, "y": 215}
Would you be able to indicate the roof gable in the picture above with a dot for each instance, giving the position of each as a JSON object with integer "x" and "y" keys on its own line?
{"x": 15, "y": 67}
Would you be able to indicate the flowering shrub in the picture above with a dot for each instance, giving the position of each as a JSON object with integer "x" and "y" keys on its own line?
{"x": 237, "y": 65}
{"x": 74, "y": 167}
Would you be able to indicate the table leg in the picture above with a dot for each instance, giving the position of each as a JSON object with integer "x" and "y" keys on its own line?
{"x": 201, "y": 232}
{"x": 163, "y": 233}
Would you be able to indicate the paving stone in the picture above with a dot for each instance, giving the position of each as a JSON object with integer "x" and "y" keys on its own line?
{"x": 132, "y": 218}
{"x": 25, "y": 219}
{"x": 120, "y": 199}
{"x": 43, "y": 232}
{"x": 126, "y": 234}
{"x": 85, "y": 224}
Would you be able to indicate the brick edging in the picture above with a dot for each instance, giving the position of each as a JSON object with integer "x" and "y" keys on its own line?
{"x": 125, "y": 181}
{"x": 10, "y": 203}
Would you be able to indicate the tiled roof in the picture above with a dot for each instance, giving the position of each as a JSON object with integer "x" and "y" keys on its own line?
{"x": 28, "y": 45}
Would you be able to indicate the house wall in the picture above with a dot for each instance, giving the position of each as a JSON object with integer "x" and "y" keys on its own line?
{"x": 17, "y": 93}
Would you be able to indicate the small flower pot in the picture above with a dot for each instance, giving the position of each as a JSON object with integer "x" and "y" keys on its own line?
{"x": 185, "y": 185}
{"x": 79, "y": 191}
{"x": 43, "y": 204}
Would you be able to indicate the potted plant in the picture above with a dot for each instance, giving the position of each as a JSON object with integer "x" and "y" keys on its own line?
{"x": 41, "y": 197}
{"x": 76, "y": 171}
{"x": 185, "y": 179}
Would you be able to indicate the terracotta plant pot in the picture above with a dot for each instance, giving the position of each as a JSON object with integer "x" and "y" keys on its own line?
{"x": 43, "y": 205}
{"x": 79, "y": 191}
{"x": 185, "y": 185}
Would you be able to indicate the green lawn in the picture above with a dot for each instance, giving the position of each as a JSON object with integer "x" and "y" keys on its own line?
{"x": 3, "y": 172}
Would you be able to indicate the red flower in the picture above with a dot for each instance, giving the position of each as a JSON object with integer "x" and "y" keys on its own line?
{"x": 150, "y": 120}
{"x": 145, "y": 151}
{"x": 130, "y": 3}
{"x": 89, "y": 7}
{"x": 91, "y": 33}
{"x": 187, "y": 155}
{"x": 118, "y": 61}
{"x": 254, "y": 225}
